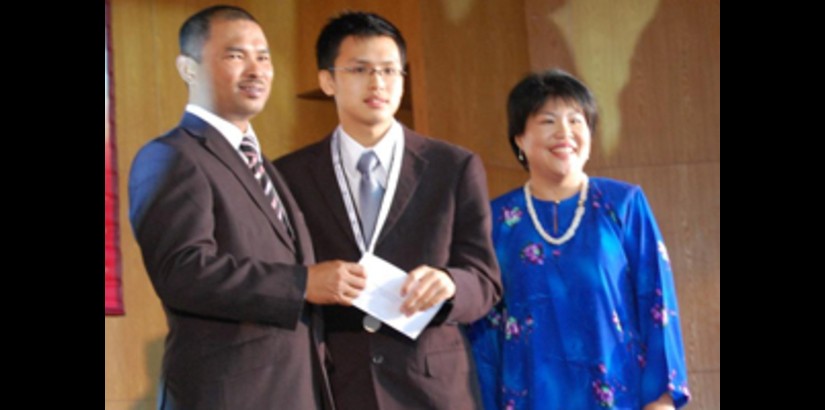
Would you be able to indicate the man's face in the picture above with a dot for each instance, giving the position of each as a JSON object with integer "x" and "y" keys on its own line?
{"x": 235, "y": 73}
{"x": 367, "y": 98}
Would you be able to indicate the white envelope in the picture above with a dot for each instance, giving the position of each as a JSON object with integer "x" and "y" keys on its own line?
{"x": 382, "y": 297}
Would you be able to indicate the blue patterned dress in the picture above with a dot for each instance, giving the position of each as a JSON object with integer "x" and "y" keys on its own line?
{"x": 588, "y": 324}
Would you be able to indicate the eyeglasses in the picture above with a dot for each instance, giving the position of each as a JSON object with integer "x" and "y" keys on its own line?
{"x": 362, "y": 71}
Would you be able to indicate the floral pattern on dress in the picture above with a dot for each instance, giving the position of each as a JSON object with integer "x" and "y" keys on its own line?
{"x": 509, "y": 325}
{"x": 659, "y": 312}
{"x": 604, "y": 393}
{"x": 683, "y": 388}
{"x": 533, "y": 253}
{"x": 511, "y": 216}
{"x": 513, "y": 398}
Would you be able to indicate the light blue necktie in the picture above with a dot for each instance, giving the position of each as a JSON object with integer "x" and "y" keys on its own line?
{"x": 370, "y": 194}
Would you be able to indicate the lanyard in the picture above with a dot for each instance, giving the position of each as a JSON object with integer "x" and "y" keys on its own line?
{"x": 343, "y": 185}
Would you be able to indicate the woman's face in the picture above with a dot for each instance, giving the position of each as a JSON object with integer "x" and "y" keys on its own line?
{"x": 556, "y": 140}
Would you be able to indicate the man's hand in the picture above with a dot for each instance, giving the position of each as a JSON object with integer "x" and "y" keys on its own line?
{"x": 424, "y": 288}
{"x": 335, "y": 283}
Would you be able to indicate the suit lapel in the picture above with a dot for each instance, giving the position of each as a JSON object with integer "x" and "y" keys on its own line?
{"x": 324, "y": 176}
{"x": 216, "y": 144}
{"x": 412, "y": 168}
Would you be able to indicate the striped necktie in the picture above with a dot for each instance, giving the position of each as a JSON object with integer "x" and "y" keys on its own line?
{"x": 249, "y": 148}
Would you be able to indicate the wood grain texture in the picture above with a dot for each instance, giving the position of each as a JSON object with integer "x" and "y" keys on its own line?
{"x": 706, "y": 390}
{"x": 472, "y": 56}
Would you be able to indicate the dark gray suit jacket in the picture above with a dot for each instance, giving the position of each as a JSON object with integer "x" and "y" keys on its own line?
{"x": 230, "y": 278}
{"x": 440, "y": 216}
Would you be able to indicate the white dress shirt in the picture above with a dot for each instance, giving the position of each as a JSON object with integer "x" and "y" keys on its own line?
{"x": 351, "y": 152}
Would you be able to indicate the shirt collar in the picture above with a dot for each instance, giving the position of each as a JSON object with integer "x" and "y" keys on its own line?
{"x": 229, "y": 131}
{"x": 351, "y": 150}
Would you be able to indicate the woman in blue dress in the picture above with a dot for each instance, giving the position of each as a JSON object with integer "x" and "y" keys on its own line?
{"x": 589, "y": 317}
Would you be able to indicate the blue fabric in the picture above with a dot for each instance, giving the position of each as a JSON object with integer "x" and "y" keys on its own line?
{"x": 588, "y": 324}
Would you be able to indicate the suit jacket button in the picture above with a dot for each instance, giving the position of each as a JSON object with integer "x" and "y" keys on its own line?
{"x": 377, "y": 359}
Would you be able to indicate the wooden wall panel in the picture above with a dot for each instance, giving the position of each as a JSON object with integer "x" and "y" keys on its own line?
{"x": 474, "y": 51}
{"x": 706, "y": 390}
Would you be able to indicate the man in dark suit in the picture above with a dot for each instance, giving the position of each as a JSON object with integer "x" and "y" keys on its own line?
{"x": 225, "y": 244}
{"x": 376, "y": 186}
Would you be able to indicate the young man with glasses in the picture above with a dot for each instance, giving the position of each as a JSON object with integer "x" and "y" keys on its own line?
{"x": 375, "y": 186}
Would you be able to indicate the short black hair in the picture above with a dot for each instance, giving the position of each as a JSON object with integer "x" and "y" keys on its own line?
{"x": 195, "y": 30}
{"x": 358, "y": 24}
{"x": 532, "y": 92}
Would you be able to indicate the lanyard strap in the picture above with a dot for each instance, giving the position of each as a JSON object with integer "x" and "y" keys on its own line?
{"x": 393, "y": 173}
{"x": 349, "y": 204}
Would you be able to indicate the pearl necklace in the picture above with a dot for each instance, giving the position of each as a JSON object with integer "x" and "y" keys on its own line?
{"x": 577, "y": 218}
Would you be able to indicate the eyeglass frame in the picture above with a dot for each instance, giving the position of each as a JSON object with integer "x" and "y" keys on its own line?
{"x": 370, "y": 71}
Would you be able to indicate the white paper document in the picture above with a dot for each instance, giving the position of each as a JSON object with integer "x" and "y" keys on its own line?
{"x": 382, "y": 297}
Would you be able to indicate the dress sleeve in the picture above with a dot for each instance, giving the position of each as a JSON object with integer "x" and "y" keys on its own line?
{"x": 662, "y": 353}
{"x": 486, "y": 339}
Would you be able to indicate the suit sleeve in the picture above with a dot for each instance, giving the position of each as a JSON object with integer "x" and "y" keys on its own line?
{"x": 472, "y": 265}
{"x": 172, "y": 211}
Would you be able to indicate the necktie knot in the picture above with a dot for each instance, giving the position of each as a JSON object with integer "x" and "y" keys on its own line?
{"x": 249, "y": 147}
{"x": 367, "y": 162}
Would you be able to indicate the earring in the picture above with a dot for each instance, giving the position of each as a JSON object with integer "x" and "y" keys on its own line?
{"x": 521, "y": 155}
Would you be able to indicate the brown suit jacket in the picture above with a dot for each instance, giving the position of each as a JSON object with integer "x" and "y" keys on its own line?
{"x": 439, "y": 216}
{"x": 230, "y": 278}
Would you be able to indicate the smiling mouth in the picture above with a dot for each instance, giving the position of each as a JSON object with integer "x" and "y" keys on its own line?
{"x": 253, "y": 90}
{"x": 566, "y": 149}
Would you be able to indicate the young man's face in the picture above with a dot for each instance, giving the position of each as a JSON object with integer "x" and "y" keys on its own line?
{"x": 366, "y": 99}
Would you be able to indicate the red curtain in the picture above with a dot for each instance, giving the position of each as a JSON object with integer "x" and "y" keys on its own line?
{"x": 114, "y": 293}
